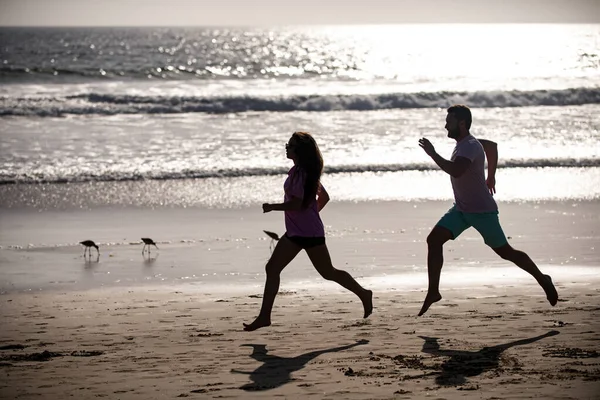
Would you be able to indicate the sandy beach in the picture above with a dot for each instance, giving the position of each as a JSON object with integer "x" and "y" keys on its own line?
{"x": 501, "y": 343}
{"x": 493, "y": 335}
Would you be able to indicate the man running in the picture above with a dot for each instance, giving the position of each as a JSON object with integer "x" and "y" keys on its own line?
{"x": 474, "y": 205}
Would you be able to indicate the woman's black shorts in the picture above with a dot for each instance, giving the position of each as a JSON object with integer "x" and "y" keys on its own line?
{"x": 306, "y": 242}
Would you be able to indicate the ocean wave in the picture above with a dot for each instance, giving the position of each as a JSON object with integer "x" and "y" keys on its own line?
{"x": 255, "y": 172}
{"x": 109, "y": 104}
{"x": 58, "y": 74}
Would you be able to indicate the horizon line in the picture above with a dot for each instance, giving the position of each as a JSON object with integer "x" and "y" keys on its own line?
{"x": 307, "y": 24}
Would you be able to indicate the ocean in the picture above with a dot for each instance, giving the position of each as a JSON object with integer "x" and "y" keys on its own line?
{"x": 149, "y": 107}
{"x": 178, "y": 118}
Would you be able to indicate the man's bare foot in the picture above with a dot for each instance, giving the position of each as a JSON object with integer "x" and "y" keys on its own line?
{"x": 551, "y": 293}
{"x": 367, "y": 300}
{"x": 429, "y": 300}
{"x": 257, "y": 324}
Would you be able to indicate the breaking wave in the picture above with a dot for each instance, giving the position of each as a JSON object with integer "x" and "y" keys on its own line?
{"x": 109, "y": 104}
{"x": 250, "y": 172}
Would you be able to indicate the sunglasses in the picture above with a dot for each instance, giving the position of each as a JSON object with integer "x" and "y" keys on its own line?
{"x": 290, "y": 146}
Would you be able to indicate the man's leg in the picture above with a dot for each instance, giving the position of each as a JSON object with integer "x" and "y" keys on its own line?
{"x": 488, "y": 225}
{"x": 435, "y": 259}
{"x": 522, "y": 260}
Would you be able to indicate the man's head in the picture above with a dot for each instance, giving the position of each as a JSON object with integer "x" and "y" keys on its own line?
{"x": 458, "y": 121}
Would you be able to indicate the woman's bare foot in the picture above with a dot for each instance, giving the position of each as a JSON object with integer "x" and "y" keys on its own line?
{"x": 551, "y": 293}
{"x": 429, "y": 300}
{"x": 257, "y": 324}
{"x": 367, "y": 300}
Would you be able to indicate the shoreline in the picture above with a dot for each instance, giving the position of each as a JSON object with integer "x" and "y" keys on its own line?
{"x": 517, "y": 184}
{"x": 381, "y": 244}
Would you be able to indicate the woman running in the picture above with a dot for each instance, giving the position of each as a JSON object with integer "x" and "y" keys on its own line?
{"x": 304, "y": 198}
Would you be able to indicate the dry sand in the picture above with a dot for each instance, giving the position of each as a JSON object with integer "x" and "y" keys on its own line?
{"x": 149, "y": 343}
{"x": 493, "y": 336}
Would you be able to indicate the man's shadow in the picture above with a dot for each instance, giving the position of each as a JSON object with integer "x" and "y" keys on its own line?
{"x": 275, "y": 371}
{"x": 462, "y": 363}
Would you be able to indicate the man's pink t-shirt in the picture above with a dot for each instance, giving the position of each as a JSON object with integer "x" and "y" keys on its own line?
{"x": 471, "y": 194}
{"x": 305, "y": 222}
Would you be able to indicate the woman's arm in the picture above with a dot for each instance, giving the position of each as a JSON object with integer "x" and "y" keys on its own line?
{"x": 294, "y": 204}
{"x": 322, "y": 197}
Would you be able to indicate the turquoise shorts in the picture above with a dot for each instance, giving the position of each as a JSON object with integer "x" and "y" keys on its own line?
{"x": 487, "y": 224}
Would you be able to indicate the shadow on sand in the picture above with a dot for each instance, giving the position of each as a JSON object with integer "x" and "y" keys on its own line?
{"x": 463, "y": 364}
{"x": 275, "y": 371}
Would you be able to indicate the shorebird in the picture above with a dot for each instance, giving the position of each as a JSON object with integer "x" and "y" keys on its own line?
{"x": 148, "y": 242}
{"x": 88, "y": 246}
{"x": 274, "y": 237}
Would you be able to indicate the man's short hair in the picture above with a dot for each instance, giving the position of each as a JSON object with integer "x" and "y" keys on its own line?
{"x": 462, "y": 113}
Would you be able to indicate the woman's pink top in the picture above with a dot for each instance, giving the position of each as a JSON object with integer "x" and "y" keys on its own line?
{"x": 305, "y": 222}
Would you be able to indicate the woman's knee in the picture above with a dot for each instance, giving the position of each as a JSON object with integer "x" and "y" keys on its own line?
{"x": 329, "y": 274}
{"x": 272, "y": 268}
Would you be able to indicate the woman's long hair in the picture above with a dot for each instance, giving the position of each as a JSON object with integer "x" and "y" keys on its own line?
{"x": 309, "y": 160}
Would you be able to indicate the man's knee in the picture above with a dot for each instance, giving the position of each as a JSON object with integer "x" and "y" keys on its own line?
{"x": 506, "y": 252}
{"x": 433, "y": 240}
{"x": 505, "y": 255}
{"x": 438, "y": 236}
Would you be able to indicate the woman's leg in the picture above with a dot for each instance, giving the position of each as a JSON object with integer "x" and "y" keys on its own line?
{"x": 284, "y": 252}
{"x": 319, "y": 256}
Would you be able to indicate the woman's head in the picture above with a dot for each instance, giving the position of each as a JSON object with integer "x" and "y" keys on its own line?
{"x": 303, "y": 149}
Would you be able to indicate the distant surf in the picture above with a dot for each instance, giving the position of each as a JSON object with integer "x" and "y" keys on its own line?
{"x": 118, "y": 176}
{"x": 108, "y": 104}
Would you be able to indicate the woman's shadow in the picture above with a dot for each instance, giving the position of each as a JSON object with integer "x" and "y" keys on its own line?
{"x": 275, "y": 371}
{"x": 462, "y": 363}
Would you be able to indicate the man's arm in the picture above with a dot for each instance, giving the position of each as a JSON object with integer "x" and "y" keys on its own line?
{"x": 453, "y": 168}
{"x": 491, "y": 152}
